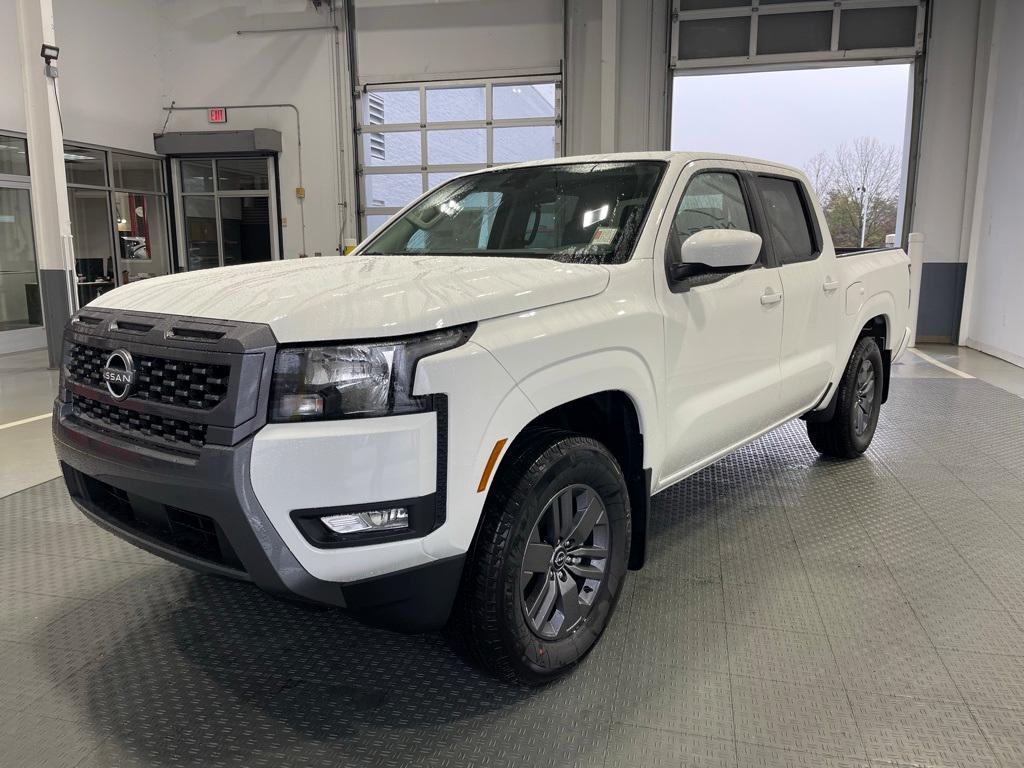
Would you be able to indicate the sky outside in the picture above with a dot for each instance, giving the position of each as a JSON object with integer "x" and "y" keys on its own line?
{"x": 789, "y": 116}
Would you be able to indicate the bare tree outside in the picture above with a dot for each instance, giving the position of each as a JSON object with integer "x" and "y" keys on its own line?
{"x": 858, "y": 184}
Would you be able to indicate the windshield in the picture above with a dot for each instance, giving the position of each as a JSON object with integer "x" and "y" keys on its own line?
{"x": 578, "y": 212}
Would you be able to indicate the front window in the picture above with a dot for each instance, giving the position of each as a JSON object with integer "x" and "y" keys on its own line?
{"x": 579, "y": 212}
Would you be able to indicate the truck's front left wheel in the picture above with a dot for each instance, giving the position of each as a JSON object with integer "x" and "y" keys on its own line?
{"x": 548, "y": 562}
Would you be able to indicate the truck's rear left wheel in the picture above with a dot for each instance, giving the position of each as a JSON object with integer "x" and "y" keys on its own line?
{"x": 548, "y": 562}
{"x": 858, "y": 402}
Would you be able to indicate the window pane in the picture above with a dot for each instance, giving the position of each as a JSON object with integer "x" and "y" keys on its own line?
{"x": 20, "y": 306}
{"x": 398, "y": 148}
{"x": 714, "y": 38}
{"x": 462, "y": 145}
{"x": 515, "y": 145}
{"x": 245, "y": 224}
{"x": 141, "y": 235}
{"x": 390, "y": 107}
{"x": 90, "y": 226}
{"x": 448, "y": 104}
{"x": 435, "y": 179}
{"x": 201, "y": 232}
{"x": 85, "y": 166}
{"x": 711, "y": 201}
{"x": 197, "y": 175}
{"x": 242, "y": 173}
{"x": 878, "y": 27}
{"x": 787, "y": 221}
{"x": 131, "y": 172}
{"x": 794, "y": 32}
{"x": 512, "y": 101}
{"x": 392, "y": 190}
{"x": 373, "y": 223}
{"x": 13, "y": 156}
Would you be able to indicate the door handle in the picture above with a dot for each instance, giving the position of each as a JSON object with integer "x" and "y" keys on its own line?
{"x": 830, "y": 285}
{"x": 770, "y": 297}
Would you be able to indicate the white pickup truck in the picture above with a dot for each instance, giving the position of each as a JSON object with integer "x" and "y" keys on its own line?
{"x": 461, "y": 424}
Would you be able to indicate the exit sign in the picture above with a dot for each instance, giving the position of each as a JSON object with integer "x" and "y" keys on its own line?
{"x": 217, "y": 115}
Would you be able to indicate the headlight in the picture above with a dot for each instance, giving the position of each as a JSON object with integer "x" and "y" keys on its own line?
{"x": 352, "y": 380}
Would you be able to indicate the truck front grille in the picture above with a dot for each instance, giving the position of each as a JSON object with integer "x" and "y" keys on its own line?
{"x": 160, "y": 379}
{"x": 158, "y": 431}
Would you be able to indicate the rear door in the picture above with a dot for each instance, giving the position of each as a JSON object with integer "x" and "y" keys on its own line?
{"x": 723, "y": 332}
{"x": 810, "y": 285}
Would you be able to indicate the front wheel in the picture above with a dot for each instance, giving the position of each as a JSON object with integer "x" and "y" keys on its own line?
{"x": 859, "y": 400}
{"x": 549, "y": 560}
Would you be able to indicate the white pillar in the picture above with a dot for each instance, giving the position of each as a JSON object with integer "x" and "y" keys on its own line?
{"x": 609, "y": 74}
{"x": 50, "y": 212}
{"x": 915, "y": 250}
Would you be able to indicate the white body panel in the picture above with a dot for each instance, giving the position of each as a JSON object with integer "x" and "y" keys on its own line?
{"x": 707, "y": 369}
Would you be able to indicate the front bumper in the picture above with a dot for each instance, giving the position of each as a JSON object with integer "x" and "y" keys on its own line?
{"x": 203, "y": 512}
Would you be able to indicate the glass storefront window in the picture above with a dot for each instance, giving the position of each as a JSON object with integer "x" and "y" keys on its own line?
{"x": 134, "y": 172}
{"x": 94, "y": 254}
{"x": 196, "y": 176}
{"x": 245, "y": 229}
{"x": 13, "y": 156}
{"x": 141, "y": 235}
{"x": 242, "y": 174}
{"x": 201, "y": 232}
{"x": 20, "y": 306}
{"x": 83, "y": 165}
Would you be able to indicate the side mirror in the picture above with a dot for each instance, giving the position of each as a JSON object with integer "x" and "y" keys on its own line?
{"x": 720, "y": 249}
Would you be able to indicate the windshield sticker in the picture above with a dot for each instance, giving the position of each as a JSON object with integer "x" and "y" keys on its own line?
{"x": 603, "y": 235}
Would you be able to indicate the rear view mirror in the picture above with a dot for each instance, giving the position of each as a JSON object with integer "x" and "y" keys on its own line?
{"x": 720, "y": 249}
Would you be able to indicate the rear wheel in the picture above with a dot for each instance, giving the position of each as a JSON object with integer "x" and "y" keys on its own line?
{"x": 549, "y": 561}
{"x": 859, "y": 400}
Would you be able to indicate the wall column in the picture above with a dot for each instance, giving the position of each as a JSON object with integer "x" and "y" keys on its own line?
{"x": 51, "y": 216}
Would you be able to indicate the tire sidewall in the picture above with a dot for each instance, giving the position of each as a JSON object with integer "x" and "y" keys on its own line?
{"x": 867, "y": 349}
{"x": 585, "y": 462}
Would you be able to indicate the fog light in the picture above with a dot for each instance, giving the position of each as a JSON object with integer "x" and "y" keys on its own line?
{"x": 392, "y": 519}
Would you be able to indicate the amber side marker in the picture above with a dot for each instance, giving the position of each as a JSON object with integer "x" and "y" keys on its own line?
{"x": 491, "y": 461}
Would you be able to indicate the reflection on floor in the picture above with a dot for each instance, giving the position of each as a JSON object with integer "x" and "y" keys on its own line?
{"x": 27, "y": 389}
{"x": 794, "y": 612}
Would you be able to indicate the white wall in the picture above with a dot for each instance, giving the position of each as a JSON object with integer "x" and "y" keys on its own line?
{"x": 205, "y": 62}
{"x": 946, "y": 128}
{"x": 110, "y": 93}
{"x": 404, "y": 40}
{"x": 996, "y": 312}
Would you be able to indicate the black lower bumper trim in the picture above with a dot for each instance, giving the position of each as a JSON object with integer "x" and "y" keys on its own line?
{"x": 217, "y": 525}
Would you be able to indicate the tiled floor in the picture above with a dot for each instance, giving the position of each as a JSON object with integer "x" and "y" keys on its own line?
{"x": 794, "y": 612}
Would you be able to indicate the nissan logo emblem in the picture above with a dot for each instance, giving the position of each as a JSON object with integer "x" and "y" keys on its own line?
{"x": 119, "y": 374}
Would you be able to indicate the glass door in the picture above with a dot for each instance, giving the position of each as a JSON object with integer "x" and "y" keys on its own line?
{"x": 227, "y": 211}
{"x": 21, "y": 309}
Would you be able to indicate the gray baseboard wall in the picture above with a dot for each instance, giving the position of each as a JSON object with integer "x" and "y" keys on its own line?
{"x": 942, "y": 298}
{"x": 53, "y": 284}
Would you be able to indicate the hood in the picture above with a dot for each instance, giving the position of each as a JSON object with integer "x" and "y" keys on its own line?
{"x": 353, "y": 297}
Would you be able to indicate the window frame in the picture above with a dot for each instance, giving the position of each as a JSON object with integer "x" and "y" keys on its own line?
{"x": 110, "y": 189}
{"x": 810, "y": 217}
{"x": 424, "y": 126}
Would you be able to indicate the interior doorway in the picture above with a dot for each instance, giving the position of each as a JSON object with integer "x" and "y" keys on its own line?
{"x": 846, "y": 127}
{"x": 226, "y": 210}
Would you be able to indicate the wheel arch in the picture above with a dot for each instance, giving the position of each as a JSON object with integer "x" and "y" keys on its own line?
{"x": 613, "y": 418}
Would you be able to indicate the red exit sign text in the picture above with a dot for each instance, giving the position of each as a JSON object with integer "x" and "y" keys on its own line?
{"x": 217, "y": 115}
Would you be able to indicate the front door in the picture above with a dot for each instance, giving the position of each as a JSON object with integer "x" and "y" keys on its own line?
{"x": 723, "y": 334}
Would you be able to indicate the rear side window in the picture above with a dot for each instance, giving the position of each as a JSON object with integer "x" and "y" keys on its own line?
{"x": 788, "y": 222}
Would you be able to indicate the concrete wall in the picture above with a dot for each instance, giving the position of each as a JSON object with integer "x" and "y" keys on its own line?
{"x": 995, "y": 322}
{"x": 941, "y": 209}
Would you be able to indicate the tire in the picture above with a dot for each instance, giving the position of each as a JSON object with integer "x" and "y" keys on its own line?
{"x": 527, "y": 610}
{"x": 859, "y": 400}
